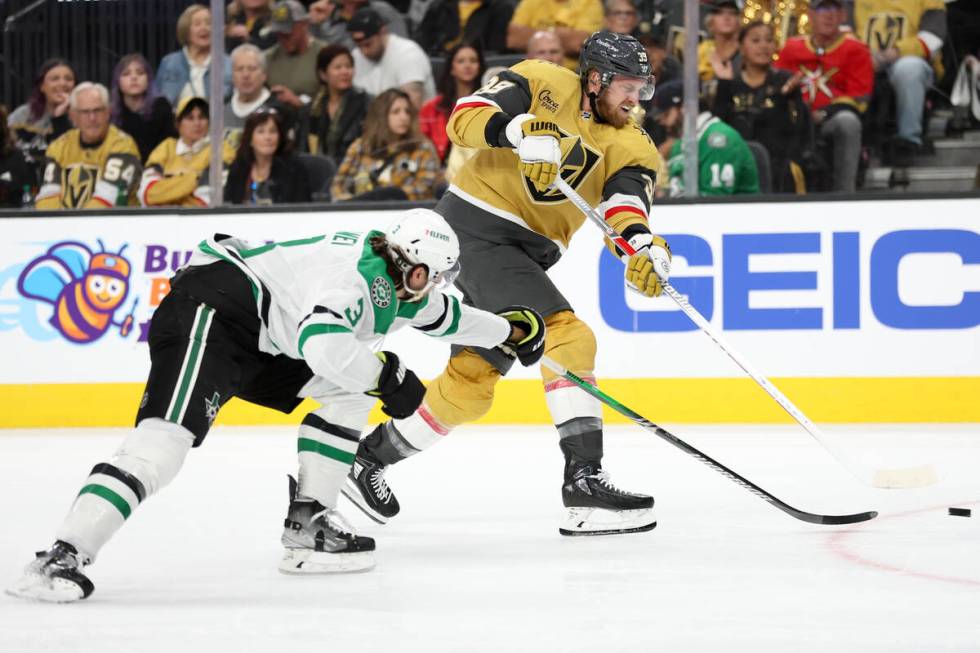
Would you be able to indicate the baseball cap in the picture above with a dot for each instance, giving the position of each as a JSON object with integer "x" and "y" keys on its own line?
{"x": 365, "y": 20}
{"x": 714, "y": 6}
{"x": 669, "y": 94}
{"x": 188, "y": 103}
{"x": 284, "y": 15}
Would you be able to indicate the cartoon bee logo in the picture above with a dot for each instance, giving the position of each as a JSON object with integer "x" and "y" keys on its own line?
{"x": 86, "y": 289}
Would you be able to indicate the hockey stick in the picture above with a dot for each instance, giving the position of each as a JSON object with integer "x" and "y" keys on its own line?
{"x": 707, "y": 460}
{"x": 911, "y": 477}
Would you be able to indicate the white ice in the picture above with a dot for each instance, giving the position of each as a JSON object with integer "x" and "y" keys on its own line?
{"x": 475, "y": 561}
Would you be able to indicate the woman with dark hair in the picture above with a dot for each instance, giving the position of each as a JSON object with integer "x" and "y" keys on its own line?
{"x": 45, "y": 115}
{"x": 187, "y": 72}
{"x": 245, "y": 22}
{"x": 17, "y": 178}
{"x": 392, "y": 160}
{"x": 460, "y": 77}
{"x": 265, "y": 171}
{"x": 336, "y": 114}
{"x": 137, "y": 109}
{"x": 764, "y": 104}
{"x": 176, "y": 172}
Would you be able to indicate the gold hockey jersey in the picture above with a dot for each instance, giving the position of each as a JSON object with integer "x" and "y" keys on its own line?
{"x": 913, "y": 27}
{"x": 615, "y": 168}
{"x": 79, "y": 177}
{"x": 175, "y": 174}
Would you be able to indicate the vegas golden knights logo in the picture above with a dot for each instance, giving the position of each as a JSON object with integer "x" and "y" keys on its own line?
{"x": 576, "y": 165}
{"x": 885, "y": 30}
{"x": 77, "y": 185}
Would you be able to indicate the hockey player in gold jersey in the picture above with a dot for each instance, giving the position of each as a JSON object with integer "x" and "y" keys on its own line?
{"x": 527, "y": 123}
{"x": 93, "y": 166}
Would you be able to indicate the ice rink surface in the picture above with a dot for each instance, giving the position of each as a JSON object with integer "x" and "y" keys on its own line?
{"x": 475, "y": 563}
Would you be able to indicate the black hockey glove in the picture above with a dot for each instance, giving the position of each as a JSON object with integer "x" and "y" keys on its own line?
{"x": 399, "y": 389}
{"x": 530, "y": 348}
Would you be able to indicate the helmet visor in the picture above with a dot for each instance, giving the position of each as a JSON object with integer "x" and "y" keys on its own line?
{"x": 642, "y": 86}
{"x": 446, "y": 278}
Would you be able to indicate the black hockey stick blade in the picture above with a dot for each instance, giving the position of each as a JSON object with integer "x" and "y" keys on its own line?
{"x": 663, "y": 434}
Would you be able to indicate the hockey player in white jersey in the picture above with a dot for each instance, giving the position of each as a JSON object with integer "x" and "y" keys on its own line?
{"x": 272, "y": 324}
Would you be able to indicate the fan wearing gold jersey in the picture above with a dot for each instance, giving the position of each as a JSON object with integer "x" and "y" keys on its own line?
{"x": 527, "y": 123}
{"x": 94, "y": 166}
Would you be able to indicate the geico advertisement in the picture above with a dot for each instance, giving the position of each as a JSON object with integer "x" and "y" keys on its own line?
{"x": 809, "y": 289}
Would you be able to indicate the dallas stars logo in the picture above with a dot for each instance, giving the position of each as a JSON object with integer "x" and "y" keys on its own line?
{"x": 211, "y": 407}
{"x": 815, "y": 81}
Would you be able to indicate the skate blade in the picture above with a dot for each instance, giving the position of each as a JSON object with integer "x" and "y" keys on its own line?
{"x": 305, "y": 561}
{"x": 43, "y": 590}
{"x": 597, "y": 521}
{"x": 354, "y": 496}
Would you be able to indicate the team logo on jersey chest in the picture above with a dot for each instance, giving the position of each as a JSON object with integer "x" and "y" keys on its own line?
{"x": 884, "y": 30}
{"x": 381, "y": 292}
{"x": 576, "y": 165}
{"x": 78, "y": 183}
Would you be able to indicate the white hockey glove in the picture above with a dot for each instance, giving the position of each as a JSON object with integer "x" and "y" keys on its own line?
{"x": 649, "y": 267}
{"x": 537, "y": 145}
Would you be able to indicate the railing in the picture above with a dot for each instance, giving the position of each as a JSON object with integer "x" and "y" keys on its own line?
{"x": 92, "y": 34}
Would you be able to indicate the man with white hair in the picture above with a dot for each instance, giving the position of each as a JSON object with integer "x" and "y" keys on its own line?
{"x": 545, "y": 45}
{"x": 248, "y": 77}
{"x": 93, "y": 166}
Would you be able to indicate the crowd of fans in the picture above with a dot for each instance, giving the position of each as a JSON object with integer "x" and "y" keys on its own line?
{"x": 336, "y": 100}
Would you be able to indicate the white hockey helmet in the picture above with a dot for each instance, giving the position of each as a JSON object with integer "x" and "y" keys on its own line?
{"x": 423, "y": 237}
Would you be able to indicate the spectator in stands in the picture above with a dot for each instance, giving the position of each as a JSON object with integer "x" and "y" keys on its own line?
{"x": 265, "y": 171}
{"x": 765, "y": 105}
{"x": 248, "y": 77}
{"x": 45, "y": 115}
{"x": 663, "y": 66}
{"x": 291, "y": 63}
{"x": 94, "y": 166}
{"x": 836, "y": 74}
{"x": 571, "y": 20}
{"x": 246, "y": 23}
{"x": 726, "y": 165}
{"x": 176, "y": 174}
{"x": 187, "y": 72}
{"x": 460, "y": 77}
{"x": 621, "y": 16}
{"x": 383, "y": 60}
{"x": 545, "y": 45}
{"x": 720, "y": 53}
{"x": 336, "y": 115}
{"x": 329, "y": 19}
{"x": 482, "y": 23}
{"x": 392, "y": 160}
{"x": 137, "y": 109}
{"x": 906, "y": 41}
{"x": 17, "y": 175}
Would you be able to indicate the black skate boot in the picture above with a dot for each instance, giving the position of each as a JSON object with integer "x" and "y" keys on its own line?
{"x": 55, "y": 576}
{"x": 597, "y": 507}
{"x": 366, "y": 486}
{"x": 319, "y": 541}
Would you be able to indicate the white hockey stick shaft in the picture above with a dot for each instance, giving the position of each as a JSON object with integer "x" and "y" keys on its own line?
{"x": 914, "y": 477}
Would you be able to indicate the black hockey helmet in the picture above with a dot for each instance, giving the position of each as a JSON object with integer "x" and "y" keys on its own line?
{"x": 615, "y": 54}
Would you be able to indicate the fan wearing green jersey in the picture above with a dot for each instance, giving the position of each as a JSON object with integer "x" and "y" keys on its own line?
{"x": 725, "y": 163}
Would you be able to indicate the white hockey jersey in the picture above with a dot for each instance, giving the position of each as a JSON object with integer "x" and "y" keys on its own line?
{"x": 329, "y": 300}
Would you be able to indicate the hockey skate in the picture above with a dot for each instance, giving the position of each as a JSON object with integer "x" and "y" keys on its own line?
{"x": 367, "y": 489}
{"x": 597, "y": 507}
{"x": 54, "y": 576}
{"x": 319, "y": 541}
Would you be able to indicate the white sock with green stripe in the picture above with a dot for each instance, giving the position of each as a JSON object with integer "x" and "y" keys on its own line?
{"x": 326, "y": 453}
{"x": 147, "y": 460}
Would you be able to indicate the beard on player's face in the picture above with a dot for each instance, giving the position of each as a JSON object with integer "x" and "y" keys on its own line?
{"x": 616, "y": 115}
